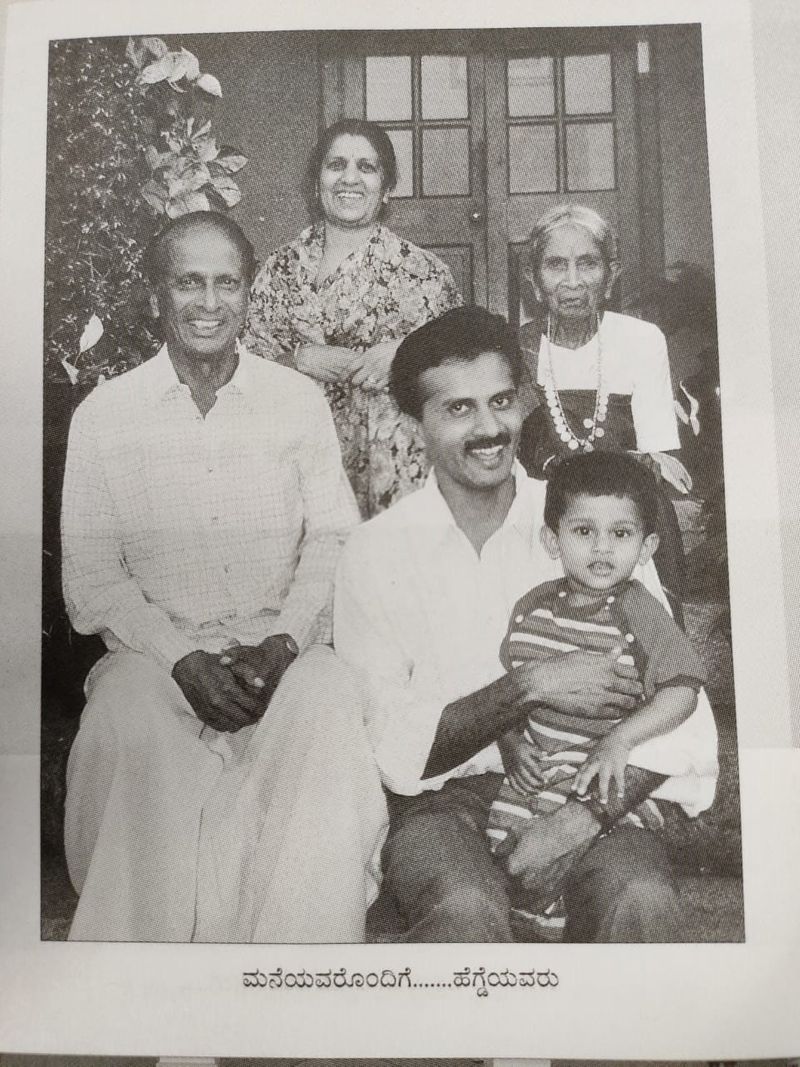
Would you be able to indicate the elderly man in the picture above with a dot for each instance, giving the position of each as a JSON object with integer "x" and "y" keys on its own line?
{"x": 218, "y": 784}
{"x": 423, "y": 598}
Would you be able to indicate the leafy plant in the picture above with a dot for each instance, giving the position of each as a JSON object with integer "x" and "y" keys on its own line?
{"x": 189, "y": 170}
{"x": 129, "y": 142}
{"x": 97, "y": 224}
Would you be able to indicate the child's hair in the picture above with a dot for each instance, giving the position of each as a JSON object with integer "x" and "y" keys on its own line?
{"x": 602, "y": 474}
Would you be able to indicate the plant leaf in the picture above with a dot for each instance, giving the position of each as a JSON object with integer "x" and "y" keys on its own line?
{"x": 184, "y": 65}
{"x": 155, "y": 158}
{"x": 92, "y": 332}
{"x": 231, "y": 163}
{"x": 161, "y": 70}
{"x": 203, "y": 130}
{"x": 156, "y": 196}
{"x": 206, "y": 149}
{"x": 135, "y": 53}
{"x": 227, "y": 189}
{"x": 191, "y": 66}
{"x": 179, "y": 165}
{"x": 193, "y": 178}
{"x": 155, "y": 46}
{"x": 182, "y": 205}
{"x": 72, "y": 372}
{"x": 209, "y": 84}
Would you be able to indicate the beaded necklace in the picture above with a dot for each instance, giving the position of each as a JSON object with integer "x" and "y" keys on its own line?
{"x": 554, "y": 406}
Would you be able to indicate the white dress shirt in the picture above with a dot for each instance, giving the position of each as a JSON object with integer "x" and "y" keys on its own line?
{"x": 182, "y": 532}
{"x": 422, "y": 616}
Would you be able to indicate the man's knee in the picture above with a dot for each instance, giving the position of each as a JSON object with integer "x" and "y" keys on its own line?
{"x": 624, "y": 892}
{"x": 324, "y": 688}
{"x": 128, "y": 698}
{"x": 649, "y": 907}
{"x": 439, "y": 871}
{"x": 472, "y": 913}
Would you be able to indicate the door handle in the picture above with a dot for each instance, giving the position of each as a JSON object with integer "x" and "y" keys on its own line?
{"x": 476, "y": 217}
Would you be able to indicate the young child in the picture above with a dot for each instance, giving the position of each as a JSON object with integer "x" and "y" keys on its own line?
{"x": 600, "y": 516}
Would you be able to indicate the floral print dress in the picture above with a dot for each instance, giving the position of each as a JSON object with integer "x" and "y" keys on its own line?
{"x": 382, "y": 292}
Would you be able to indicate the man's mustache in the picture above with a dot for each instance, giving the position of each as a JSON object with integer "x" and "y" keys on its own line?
{"x": 489, "y": 442}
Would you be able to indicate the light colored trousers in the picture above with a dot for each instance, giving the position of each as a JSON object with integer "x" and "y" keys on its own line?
{"x": 175, "y": 832}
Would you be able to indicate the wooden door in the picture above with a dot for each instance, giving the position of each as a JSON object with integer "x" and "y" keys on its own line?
{"x": 427, "y": 90}
{"x": 562, "y": 125}
{"x": 492, "y": 128}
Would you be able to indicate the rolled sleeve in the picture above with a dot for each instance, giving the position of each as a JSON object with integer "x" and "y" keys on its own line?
{"x": 401, "y": 720}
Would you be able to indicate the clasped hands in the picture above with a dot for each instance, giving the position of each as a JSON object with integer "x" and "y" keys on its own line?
{"x": 333, "y": 363}
{"x": 542, "y": 855}
{"x": 232, "y": 689}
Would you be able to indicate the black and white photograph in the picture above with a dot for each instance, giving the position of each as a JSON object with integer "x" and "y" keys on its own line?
{"x": 397, "y": 591}
{"x": 402, "y": 344}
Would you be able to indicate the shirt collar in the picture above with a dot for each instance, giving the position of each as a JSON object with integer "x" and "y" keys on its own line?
{"x": 165, "y": 382}
{"x": 524, "y": 516}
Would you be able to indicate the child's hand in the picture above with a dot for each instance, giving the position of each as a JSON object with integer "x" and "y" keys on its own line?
{"x": 606, "y": 762}
{"x": 521, "y": 762}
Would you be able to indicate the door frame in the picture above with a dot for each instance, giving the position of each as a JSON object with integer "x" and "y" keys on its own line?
{"x": 342, "y": 94}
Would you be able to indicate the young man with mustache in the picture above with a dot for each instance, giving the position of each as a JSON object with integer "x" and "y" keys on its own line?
{"x": 423, "y": 597}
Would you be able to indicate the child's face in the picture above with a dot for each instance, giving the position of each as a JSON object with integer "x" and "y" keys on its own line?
{"x": 599, "y": 541}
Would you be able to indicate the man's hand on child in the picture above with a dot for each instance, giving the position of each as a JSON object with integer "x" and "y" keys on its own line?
{"x": 606, "y": 762}
{"x": 544, "y": 853}
{"x": 598, "y": 686}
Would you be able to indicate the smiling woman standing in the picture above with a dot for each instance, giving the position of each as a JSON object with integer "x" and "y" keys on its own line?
{"x": 336, "y": 302}
{"x": 599, "y": 380}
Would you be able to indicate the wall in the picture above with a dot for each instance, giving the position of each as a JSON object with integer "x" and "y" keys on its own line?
{"x": 684, "y": 153}
{"x": 269, "y": 110}
{"x": 271, "y": 107}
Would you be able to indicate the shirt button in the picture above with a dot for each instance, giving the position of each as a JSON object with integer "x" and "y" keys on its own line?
{"x": 519, "y": 618}
{"x": 611, "y": 600}
{"x": 562, "y": 592}
{"x": 630, "y": 638}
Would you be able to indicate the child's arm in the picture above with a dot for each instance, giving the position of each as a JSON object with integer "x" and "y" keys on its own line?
{"x": 608, "y": 758}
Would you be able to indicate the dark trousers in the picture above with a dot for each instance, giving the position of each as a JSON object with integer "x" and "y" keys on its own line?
{"x": 448, "y": 888}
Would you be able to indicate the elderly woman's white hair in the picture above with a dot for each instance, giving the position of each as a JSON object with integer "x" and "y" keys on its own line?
{"x": 570, "y": 215}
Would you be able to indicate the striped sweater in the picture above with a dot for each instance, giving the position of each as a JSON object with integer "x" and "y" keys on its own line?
{"x": 542, "y": 625}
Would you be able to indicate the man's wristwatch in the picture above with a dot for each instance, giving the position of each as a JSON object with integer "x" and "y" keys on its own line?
{"x": 291, "y": 645}
{"x": 599, "y": 811}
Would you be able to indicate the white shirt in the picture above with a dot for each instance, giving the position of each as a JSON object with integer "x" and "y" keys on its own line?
{"x": 182, "y": 532}
{"x": 422, "y": 616}
{"x": 635, "y": 363}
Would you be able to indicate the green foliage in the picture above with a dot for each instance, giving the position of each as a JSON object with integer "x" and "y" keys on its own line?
{"x": 97, "y": 224}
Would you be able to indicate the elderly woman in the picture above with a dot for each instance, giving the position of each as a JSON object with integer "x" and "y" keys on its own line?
{"x": 336, "y": 302}
{"x": 598, "y": 379}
